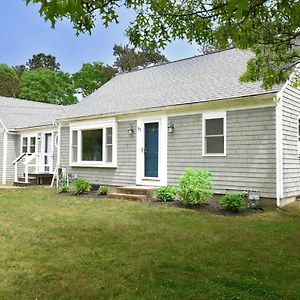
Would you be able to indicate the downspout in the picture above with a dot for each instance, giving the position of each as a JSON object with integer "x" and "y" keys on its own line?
{"x": 5, "y": 140}
{"x": 279, "y": 151}
{"x": 58, "y": 146}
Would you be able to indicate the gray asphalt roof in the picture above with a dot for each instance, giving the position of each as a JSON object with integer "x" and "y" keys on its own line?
{"x": 197, "y": 79}
{"x": 17, "y": 113}
{"x": 192, "y": 80}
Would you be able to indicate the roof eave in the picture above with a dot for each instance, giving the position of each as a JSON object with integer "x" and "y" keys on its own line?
{"x": 153, "y": 109}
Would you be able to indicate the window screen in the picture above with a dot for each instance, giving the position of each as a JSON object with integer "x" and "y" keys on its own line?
{"x": 214, "y": 136}
{"x": 109, "y": 144}
{"x": 32, "y": 144}
{"x": 74, "y": 146}
{"x": 24, "y": 144}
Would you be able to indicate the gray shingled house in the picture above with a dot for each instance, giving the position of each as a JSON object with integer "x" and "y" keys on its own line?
{"x": 28, "y": 138}
{"x": 146, "y": 127}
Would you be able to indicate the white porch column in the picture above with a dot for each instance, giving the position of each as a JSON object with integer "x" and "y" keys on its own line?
{"x": 5, "y": 141}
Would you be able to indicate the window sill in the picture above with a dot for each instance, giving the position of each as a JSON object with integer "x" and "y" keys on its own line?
{"x": 151, "y": 178}
{"x": 87, "y": 165}
{"x": 215, "y": 155}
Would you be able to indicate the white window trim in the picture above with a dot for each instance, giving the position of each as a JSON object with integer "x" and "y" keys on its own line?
{"x": 91, "y": 126}
{"x": 50, "y": 154}
{"x": 214, "y": 115}
{"x": 298, "y": 136}
{"x": 28, "y": 136}
{"x": 162, "y": 179}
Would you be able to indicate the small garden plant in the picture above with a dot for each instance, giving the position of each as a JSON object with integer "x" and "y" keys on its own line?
{"x": 234, "y": 202}
{"x": 166, "y": 193}
{"x": 81, "y": 186}
{"x": 195, "y": 186}
{"x": 103, "y": 190}
{"x": 64, "y": 189}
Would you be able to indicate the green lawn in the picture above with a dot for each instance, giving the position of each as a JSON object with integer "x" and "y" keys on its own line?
{"x": 61, "y": 247}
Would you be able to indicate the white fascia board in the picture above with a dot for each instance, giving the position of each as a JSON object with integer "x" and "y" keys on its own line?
{"x": 168, "y": 109}
{"x": 37, "y": 129}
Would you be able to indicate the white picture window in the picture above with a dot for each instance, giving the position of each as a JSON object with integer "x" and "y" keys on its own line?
{"x": 28, "y": 144}
{"x": 214, "y": 134}
{"x": 93, "y": 146}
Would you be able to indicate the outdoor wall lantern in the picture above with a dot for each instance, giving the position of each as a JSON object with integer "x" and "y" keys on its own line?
{"x": 171, "y": 128}
{"x": 130, "y": 130}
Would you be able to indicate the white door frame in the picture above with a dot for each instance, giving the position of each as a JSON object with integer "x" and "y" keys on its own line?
{"x": 161, "y": 180}
{"x": 50, "y": 155}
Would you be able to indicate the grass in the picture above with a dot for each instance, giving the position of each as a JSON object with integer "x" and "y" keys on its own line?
{"x": 61, "y": 247}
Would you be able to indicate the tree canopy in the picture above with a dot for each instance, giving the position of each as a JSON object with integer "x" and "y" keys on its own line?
{"x": 45, "y": 85}
{"x": 9, "y": 81}
{"x": 91, "y": 76}
{"x": 269, "y": 28}
{"x": 42, "y": 60}
{"x": 128, "y": 59}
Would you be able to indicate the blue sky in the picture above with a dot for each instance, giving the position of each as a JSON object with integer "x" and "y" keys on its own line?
{"x": 24, "y": 33}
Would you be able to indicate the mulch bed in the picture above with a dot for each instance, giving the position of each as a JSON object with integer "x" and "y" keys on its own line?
{"x": 91, "y": 195}
{"x": 212, "y": 207}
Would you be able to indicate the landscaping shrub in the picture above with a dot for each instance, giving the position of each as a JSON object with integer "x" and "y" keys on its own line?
{"x": 166, "y": 193}
{"x": 195, "y": 186}
{"x": 234, "y": 202}
{"x": 103, "y": 190}
{"x": 64, "y": 189}
{"x": 81, "y": 186}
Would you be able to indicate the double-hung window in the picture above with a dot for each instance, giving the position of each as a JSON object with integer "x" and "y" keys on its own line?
{"x": 93, "y": 145}
{"x": 214, "y": 134}
{"x": 28, "y": 144}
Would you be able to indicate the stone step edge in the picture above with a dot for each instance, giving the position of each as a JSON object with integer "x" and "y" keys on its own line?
{"x": 127, "y": 196}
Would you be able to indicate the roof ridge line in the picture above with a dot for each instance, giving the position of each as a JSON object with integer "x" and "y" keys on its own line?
{"x": 175, "y": 61}
{"x": 30, "y": 101}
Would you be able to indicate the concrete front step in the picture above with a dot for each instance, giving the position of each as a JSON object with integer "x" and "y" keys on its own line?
{"x": 32, "y": 180}
{"x": 137, "y": 190}
{"x": 131, "y": 197}
{"x": 22, "y": 183}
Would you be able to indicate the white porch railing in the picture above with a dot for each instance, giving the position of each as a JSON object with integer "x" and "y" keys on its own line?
{"x": 28, "y": 159}
{"x": 15, "y": 163}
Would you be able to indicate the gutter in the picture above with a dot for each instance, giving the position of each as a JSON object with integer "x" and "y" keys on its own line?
{"x": 54, "y": 124}
{"x": 170, "y": 107}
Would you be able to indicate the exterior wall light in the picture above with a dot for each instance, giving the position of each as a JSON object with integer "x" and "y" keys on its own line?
{"x": 130, "y": 130}
{"x": 171, "y": 128}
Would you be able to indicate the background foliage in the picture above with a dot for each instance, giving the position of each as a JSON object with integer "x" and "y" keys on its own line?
{"x": 269, "y": 28}
{"x": 40, "y": 78}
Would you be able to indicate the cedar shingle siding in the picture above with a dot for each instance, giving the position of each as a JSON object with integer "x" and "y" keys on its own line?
{"x": 250, "y": 162}
{"x": 291, "y": 162}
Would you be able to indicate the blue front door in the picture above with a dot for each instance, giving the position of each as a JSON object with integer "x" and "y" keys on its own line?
{"x": 151, "y": 149}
